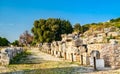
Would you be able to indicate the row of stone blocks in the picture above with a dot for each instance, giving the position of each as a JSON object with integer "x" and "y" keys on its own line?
{"x": 8, "y": 54}
{"x": 82, "y": 58}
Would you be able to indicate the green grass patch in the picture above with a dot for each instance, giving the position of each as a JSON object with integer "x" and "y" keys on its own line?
{"x": 48, "y": 67}
{"x": 17, "y": 58}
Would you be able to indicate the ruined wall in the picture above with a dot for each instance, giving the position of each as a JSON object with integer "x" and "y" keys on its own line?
{"x": 111, "y": 55}
{"x": 109, "y": 52}
{"x": 95, "y": 47}
{"x": 8, "y": 54}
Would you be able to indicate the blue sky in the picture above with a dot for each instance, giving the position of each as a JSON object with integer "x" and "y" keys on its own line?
{"x": 16, "y": 16}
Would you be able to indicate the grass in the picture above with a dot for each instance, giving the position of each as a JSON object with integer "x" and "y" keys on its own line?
{"x": 1, "y": 48}
{"x": 17, "y": 58}
{"x": 48, "y": 67}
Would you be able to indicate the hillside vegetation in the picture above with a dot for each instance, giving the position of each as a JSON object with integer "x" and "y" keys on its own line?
{"x": 99, "y": 26}
{"x": 48, "y": 30}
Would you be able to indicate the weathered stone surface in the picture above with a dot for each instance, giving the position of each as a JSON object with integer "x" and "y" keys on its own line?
{"x": 111, "y": 56}
{"x": 9, "y": 53}
{"x": 113, "y": 33}
{"x": 99, "y": 63}
{"x": 70, "y": 47}
{"x": 109, "y": 52}
{"x": 77, "y": 42}
{"x": 73, "y": 48}
{"x": 95, "y": 47}
{"x": 95, "y": 53}
{"x": 4, "y": 60}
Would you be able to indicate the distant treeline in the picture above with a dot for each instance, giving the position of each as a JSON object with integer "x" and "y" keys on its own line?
{"x": 4, "y": 42}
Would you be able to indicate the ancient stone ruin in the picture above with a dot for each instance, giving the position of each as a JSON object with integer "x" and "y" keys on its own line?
{"x": 74, "y": 48}
{"x": 111, "y": 54}
{"x": 8, "y": 54}
{"x": 71, "y": 48}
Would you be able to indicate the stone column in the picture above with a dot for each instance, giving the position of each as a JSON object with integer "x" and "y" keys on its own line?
{"x": 85, "y": 59}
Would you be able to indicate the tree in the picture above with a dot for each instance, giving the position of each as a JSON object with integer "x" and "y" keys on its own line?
{"x": 115, "y": 20}
{"x": 25, "y": 38}
{"x": 47, "y": 30}
{"x": 77, "y": 28}
{"x": 4, "y": 42}
{"x": 15, "y": 43}
{"x": 85, "y": 27}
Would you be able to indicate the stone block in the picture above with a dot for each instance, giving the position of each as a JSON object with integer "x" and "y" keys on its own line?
{"x": 99, "y": 63}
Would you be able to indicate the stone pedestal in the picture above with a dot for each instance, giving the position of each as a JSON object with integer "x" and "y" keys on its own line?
{"x": 99, "y": 63}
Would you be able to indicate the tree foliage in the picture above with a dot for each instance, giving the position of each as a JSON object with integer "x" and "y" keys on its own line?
{"x": 77, "y": 28}
{"x": 15, "y": 43}
{"x": 85, "y": 27}
{"x": 47, "y": 30}
{"x": 25, "y": 38}
{"x": 115, "y": 20}
{"x": 4, "y": 42}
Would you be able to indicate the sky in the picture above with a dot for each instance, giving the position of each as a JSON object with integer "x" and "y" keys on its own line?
{"x": 16, "y": 16}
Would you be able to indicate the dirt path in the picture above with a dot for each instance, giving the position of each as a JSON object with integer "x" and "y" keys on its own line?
{"x": 37, "y": 56}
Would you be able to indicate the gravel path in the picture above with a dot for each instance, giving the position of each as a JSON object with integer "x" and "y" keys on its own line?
{"x": 37, "y": 56}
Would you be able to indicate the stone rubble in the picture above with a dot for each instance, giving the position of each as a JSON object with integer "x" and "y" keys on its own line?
{"x": 8, "y": 54}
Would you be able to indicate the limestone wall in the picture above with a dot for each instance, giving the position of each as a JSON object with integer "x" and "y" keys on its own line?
{"x": 8, "y": 54}
{"x": 95, "y": 47}
{"x": 111, "y": 55}
{"x": 109, "y": 52}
